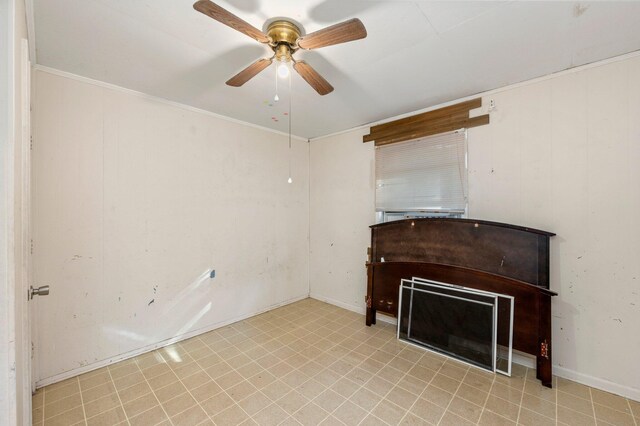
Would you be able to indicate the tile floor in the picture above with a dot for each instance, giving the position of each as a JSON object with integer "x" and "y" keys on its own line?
{"x": 312, "y": 363}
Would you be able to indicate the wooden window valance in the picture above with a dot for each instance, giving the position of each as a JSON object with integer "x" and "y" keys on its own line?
{"x": 429, "y": 123}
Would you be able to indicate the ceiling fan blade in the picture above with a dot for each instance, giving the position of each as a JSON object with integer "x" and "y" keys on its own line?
{"x": 223, "y": 16}
{"x": 249, "y": 72}
{"x": 312, "y": 77}
{"x": 343, "y": 32}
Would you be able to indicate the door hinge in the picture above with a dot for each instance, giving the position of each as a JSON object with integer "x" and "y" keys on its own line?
{"x": 31, "y": 248}
{"x": 31, "y": 142}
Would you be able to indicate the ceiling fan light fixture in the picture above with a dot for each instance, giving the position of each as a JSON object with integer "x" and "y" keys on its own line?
{"x": 283, "y": 69}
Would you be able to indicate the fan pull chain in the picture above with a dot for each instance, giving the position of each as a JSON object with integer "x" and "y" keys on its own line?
{"x": 276, "y": 98}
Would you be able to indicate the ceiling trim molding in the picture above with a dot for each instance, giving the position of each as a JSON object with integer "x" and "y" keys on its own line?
{"x": 365, "y": 127}
{"x": 161, "y": 100}
{"x": 31, "y": 29}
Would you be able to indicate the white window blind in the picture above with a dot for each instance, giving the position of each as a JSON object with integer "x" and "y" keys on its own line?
{"x": 423, "y": 174}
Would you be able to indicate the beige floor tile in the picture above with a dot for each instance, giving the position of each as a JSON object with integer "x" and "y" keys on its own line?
{"x": 573, "y": 388}
{"x": 58, "y": 393}
{"x": 249, "y": 370}
{"x": 365, "y": 398}
{"x": 349, "y": 413}
{"x": 233, "y": 415}
{"x": 168, "y": 392}
{"x": 110, "y": 417}
{"x": 128, "y": 380}
{"x": 450, "y": 419}
{"x": 329, "y": 400}
{"x": 241, "y": 391}
{"x": 61, "y": 405}
{"x": 428, "y": 411}
{"x": 94, "y": 378}
{"x": 575, "y": 403}
{"x": 574, "y": 418}
{"x": 217, "y": 403}
{"x": 276, "y": 390}
{"x": 506, "y": 392}
{"x": 229, "y": 380}
{"x": 613, "y": 416}
{"x": 218, "y": 370}
{"x": 150, "y": 417}
{"x": 445, "y": 383}
{"x": 401, "y": 397}
{"x": 372, "y": 420}
{"x": 321, "y": 365}
{"x": 542, "y": 392}
{"x": 205, "y": 391}
{"x": 465, "y": 409}
{"x": 489, "y": 418}
{"x": 100, "y": 405}
{"x": 292, "y": 402}
{"x": 310, "y": 415}
{"x": 66, "y": 418}
{"x": 141, "y": 404}
{"x": 345, "y": 387}
{"x": 186, "y": 369}
{"x": 98, "y": 392}
{"x": 479, "y": 380}
{"x": 472, "y": 394}
{"x": 437, "y": 396}
{"x": 412, "y": 384}
{"x": 195, "y": 380}
{"x": 254, "y": 403}
{"x": 540, "y": 406}
{"x": 531, "y": 418}
{"x": 413, "y": 420}
{"x": 162, "y": 380}
{"x": 62, "y": 384}
{"x": 389, "y": 412}
{"x": 610, "y": 400}
{"x": 191, "y": 416}
{"x": 37, "y": 414}
{"x": 178, "y": 404}
{"x": 454, "y": 371}
{"x": 120, "y": 370}
{"x": 262, "y": 379}
{"x": 502, "y": 407}
{"x": 270, "y": 416}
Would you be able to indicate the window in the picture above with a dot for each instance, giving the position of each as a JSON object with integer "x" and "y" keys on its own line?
{"x": 423, "y": 177}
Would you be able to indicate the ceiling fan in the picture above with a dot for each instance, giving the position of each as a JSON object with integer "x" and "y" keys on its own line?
{"x": 284, "y": 38}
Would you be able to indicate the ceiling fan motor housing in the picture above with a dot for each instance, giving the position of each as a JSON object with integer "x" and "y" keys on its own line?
{"x": 283, "y": 35}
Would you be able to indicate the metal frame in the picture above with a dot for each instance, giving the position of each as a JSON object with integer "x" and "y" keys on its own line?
{"x": 499, "y": 295}
{"x": 461, "y": 289}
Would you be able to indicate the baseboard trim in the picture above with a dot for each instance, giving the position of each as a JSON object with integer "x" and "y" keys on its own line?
{"x": 518, "y": 357}
{"x": 598, "y": 383}
{"x": 353, "y": 308}
{"x": 121, "y": 357}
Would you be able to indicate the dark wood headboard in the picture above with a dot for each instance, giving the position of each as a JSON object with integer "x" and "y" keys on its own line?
{"x": 489, "y": 256}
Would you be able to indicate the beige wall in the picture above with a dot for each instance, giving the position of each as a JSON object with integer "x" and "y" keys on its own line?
{"x": 560, "y": 154}
{"x": 342, "y": 182}
{"x": 135, "y": 200}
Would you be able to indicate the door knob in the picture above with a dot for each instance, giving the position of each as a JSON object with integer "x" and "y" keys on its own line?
{"x": 40, "y": 291}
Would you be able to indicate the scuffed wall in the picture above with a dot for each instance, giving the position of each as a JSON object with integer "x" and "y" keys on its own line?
{"x": 135, "y": 202}
{"x": 560, "y": 154}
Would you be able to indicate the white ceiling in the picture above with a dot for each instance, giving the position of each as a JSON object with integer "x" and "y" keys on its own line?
{"x": 417, "y": 53}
